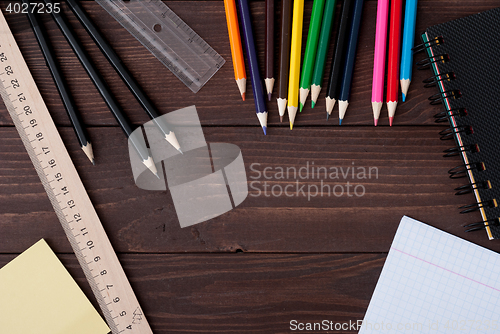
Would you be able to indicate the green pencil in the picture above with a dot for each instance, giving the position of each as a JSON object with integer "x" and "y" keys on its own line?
{"x": 324, "y": 43}
{"x": 310, "y": 54}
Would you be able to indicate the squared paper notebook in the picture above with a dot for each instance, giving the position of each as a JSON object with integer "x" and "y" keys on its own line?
{"x": 434, "y": 282}
{"x": 38, "y": 296}
{"x": 464, "y": 55}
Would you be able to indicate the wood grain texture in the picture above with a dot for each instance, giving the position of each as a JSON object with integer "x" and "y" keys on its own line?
{"x": 169, "y": 94}
{"x": 412, "y": 180}
{"x": 245, "y": 293}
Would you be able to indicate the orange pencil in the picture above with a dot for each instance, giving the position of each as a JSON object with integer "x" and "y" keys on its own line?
{"x": 236, "y": 51}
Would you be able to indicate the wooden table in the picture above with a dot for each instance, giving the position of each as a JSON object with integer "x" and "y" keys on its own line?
{"x": 273, "y": 259}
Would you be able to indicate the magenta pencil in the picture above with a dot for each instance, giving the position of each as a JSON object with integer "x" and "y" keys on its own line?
{"x": 379, "y": 58}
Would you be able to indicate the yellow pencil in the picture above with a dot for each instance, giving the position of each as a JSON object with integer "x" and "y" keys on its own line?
{"x": 294, "y": 76}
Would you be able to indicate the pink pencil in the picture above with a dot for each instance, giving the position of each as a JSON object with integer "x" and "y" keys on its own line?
{"x": 379, "y": 59}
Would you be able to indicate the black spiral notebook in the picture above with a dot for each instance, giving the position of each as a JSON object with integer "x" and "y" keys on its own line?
{"x": 464, "y": 55}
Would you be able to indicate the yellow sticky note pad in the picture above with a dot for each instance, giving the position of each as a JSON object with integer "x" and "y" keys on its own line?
{"x": 38, "y": 296}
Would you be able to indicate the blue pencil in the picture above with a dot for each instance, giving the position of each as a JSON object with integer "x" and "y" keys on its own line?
{"x": 408, "y": 40}
{"x": 350, "y": 58}
{"x": 258, "y": 91}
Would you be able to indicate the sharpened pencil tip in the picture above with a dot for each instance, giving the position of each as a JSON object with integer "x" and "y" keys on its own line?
{"x": 281, "y": 118}
{"x": 340, "y": 121}
{"x": 269, "y": 96}
{"x": 390, "y": 120}
{"x": 404, "y": 97}
{"x": 375, "y": 121}
{"x": 327, "y": 116}
{"x": 264, "y": 128}
{"x": 301, "y": 106}
{"x": 291, "y": 126}
{"x": 243, "y": 96}
{"x": 93, "y": 162}
{"x": 312, "y": 104}
{"x": 179, "y": 149}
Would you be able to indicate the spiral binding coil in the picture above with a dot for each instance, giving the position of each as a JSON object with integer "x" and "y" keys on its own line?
{"x": 449, "y": 133}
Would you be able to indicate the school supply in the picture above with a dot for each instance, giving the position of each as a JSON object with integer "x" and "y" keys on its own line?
{"x": 65, "y": 190}
{"x": 295, "y": 50}
{"x": 323, "y": 45}
{"x": 168, "y": 38}
{"x": 269, "y": 77}
{"x": 462, "y": 54}
{"x": 408, "y": 43}
{"x": 67, "y": 99}
{"x": 284, "y": 65}
{"x": 393, "y": 59}
{"x": 434, "y": 282}
{"x": 258, "y": 92}
{"x": 310, "y": 53}
{"x": 39, "y": 296}
{"x": 103, "y": 88}
{"x": 233, "y": 29}
{"x": 379, "y": 59}
{"x": 350, "y": 58}
{"x": 335, "y": 78}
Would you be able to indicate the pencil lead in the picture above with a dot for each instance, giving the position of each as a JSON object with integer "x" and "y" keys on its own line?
{"x": 281, "y": 118}
{"x": 150, "y": 164}
{"x": 340, "y": 121}
{"x": 87, "y": 149}
{"x": 327, "y": 116}
{"x": 301, "y": 106}
{"x": 375, "y": 121}
{"x": 291, "y": 126}
{"x": 269, "y": 96}
{"x": 312, "y": 104}
{"x": 405, "y": 85}
{"x": 243, "y": 96}
{"x": 264, "y": 128}
{"x": 404, "y": 97}
{"x": 179, "y": 149}
{"x": 390, "y": 120}
{"x": 93, "y": 162}
{"x": 242, "y": 86}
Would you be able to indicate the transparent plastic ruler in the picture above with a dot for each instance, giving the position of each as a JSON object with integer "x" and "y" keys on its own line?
{"x": 66, "y": 191}
{"x": 168, "y": 38}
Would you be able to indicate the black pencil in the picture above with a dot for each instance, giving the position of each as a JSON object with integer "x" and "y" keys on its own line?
{"x": 124, "y": 73}
{"x": 338, "y": 58}
{"x": 52, "y": 64}
{"x": 103, "y": 89}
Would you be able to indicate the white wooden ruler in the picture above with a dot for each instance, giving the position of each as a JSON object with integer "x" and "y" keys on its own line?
{"x": 66, "y": 192}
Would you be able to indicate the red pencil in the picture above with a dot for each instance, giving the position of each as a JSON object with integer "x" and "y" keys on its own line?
{"x": 393, "y": 62}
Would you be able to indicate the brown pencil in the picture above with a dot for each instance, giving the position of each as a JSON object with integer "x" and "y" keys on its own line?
{"x": 284, "y": 65}
{"x": 269, "y": 77}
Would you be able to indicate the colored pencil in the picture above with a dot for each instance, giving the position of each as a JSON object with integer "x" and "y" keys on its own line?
{"x": 258, "y": 92}
{"x": 393, "y": 61}
{"x": 350, "y": 58}
{"x": 332, "y": 91}
{"x": 124, "y": 73}
{"x": 295, "y": 49}
{"x": 310, "y": 53}
{"x": 323, "y": 44}
{"x": 269, "y": 77}
{"x": 233, "y": 30}
{"x": 284, "y": 66}
{"x": 379, "y": 58}
{"x": 103, "y": 89}
{"x": 67, "y": 99}
{"x": 408, "y": 41}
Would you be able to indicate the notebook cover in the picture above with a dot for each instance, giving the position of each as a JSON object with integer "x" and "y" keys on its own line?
{"x": 473, "y": 46}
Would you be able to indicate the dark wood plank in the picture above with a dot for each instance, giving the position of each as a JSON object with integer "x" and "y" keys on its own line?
{"x": 412, "y": 180}
{"x": 219, "y": 102}
{"x": 244, "y": 293}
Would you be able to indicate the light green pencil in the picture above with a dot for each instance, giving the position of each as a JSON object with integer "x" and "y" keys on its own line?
{"x": 324, "y": 43}
{"x": 310, "y": 54}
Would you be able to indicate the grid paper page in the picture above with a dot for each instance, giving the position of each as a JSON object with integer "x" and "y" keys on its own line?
{"x": 434, "y": 282}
